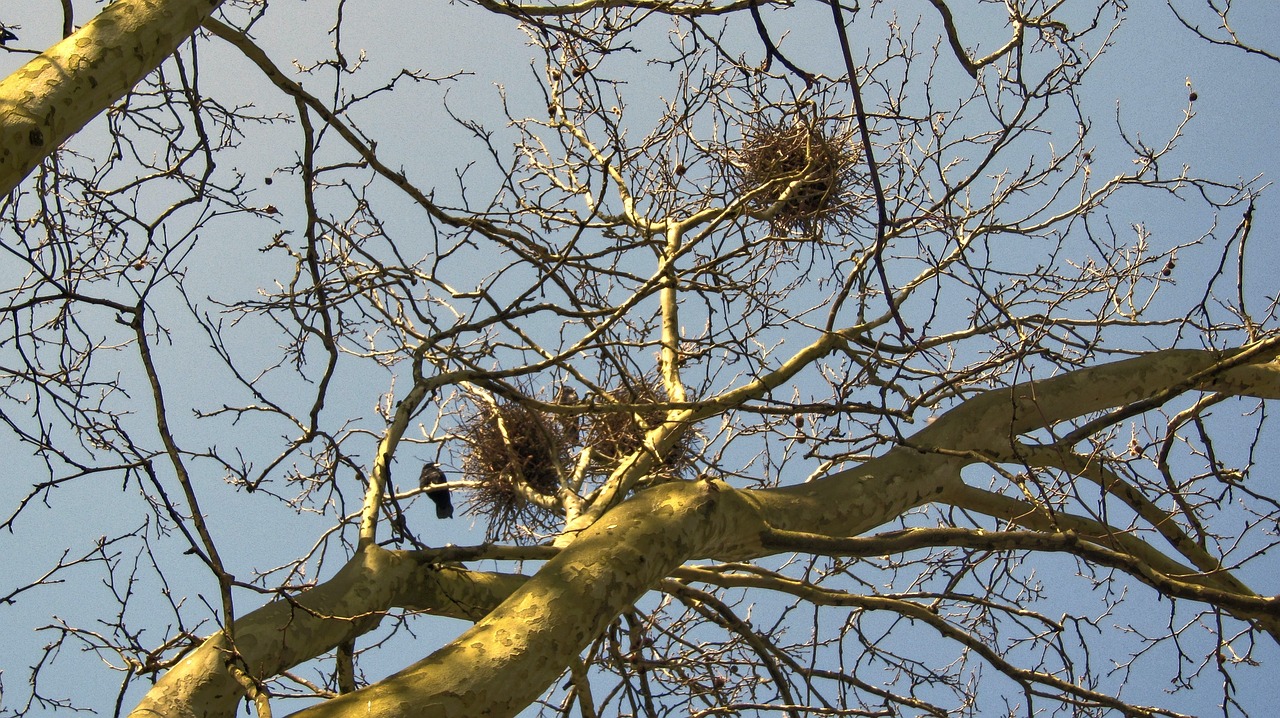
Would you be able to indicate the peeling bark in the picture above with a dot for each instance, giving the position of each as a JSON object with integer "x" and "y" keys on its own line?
{"x": 513, "y": 653}
{"x": 507, "y": 659}
{"x": 56, "y": 94}
{"x": 291, "y": 630}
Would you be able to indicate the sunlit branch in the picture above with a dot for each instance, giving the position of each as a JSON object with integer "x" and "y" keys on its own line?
{"x": 55, "y": 94}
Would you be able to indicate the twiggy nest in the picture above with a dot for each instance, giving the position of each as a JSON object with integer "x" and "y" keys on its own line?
{"x": 614, "y": 435}
{"x": 517, "y": 455}
{"x": 514, "y": 453}
{"x": 807, "y": 168}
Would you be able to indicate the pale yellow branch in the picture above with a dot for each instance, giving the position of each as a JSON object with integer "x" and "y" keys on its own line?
{"x": 58, "y": 92}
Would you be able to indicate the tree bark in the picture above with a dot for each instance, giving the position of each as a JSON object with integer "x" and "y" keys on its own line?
{"x": 56, "y": 94}
{"x": 513, "y": 653}
{"x": 291, "y": 630}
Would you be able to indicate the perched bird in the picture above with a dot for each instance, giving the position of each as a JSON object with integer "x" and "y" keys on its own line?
{"x": 6, "y": 35}
{"x": 431, "y": 475}
{"x": 571, "y": 425}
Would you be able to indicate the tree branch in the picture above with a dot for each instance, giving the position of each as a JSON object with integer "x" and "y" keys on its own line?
{"x": 56, "y": 93}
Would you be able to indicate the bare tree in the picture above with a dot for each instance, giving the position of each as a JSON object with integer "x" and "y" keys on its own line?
{"x": 799, "y": 360}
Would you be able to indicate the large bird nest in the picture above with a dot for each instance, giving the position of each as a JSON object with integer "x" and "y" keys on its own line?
{"x": 615, "y": 435}
{"x": 802, "y": 170}
{"x": 516, "y": 455}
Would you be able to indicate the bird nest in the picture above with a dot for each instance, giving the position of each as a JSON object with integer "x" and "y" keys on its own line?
{"x": 800, "y": 172}
{"x": 615, "y": 435}
{"x": 516, "y": 456}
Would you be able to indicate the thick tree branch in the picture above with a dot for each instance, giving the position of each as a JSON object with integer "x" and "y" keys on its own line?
{"x": 515, "y": 651}
{"x": 294, "y": 629}
{"x": 507, "y": 659}
{"x": 988, "y": 422}
{"x": 59, "y": 91}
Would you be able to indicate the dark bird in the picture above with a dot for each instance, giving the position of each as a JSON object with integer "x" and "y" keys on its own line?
{"x": 431, "y": 475}
{"x": 6, "y": 35}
